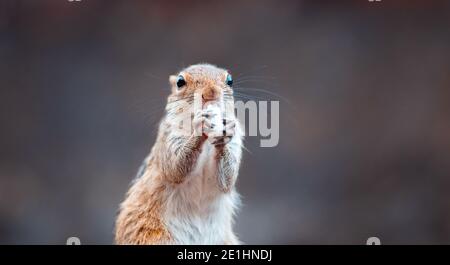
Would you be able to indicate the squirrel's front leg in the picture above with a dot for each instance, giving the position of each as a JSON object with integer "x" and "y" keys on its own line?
{"x": 183, "y": 151}
{"x": 227, "y": 154}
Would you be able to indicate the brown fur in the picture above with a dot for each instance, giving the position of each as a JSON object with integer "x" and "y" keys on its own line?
{"x": 139, "y": 222}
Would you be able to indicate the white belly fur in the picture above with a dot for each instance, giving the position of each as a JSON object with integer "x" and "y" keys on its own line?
{"x": 196, "y": 211}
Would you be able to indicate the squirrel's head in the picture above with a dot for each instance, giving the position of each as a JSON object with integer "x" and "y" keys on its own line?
{"x": 198, "y": 88}
{"x": 208, "y": 82}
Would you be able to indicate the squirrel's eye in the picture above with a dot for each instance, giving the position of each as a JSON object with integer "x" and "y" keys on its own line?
{"x": 229, "y": 80}
{"x": 181, "y": 82}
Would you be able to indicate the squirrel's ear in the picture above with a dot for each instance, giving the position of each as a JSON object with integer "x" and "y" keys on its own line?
{"x": 173, "y": 82}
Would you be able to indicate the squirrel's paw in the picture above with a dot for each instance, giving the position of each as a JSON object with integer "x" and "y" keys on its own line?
{"x": 224, "y": 134}
{"x": 203, "y": 122}
{"x": 197, "y": 122}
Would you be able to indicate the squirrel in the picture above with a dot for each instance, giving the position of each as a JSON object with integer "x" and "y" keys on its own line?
{"x": 184, "y": 192}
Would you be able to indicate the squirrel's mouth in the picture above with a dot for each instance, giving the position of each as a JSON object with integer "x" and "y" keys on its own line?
{"x": 211, "y": 101}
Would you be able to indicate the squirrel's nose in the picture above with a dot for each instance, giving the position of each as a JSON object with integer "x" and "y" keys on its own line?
{"x": 211, "y": 93}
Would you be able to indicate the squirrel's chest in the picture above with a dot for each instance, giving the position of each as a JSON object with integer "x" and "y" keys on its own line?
{"x": 206, "y": 165}
{"x": 196, "y": 211}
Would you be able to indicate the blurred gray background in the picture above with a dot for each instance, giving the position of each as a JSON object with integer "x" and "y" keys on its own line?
{"x": 365, "y": 133}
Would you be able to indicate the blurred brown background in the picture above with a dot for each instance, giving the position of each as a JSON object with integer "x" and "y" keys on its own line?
{"x": 365, "y": 140}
